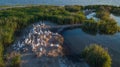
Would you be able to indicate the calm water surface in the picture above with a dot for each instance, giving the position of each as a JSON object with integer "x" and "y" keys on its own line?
{"x": 59, "y": 2}
{"x": 77, "y": 40}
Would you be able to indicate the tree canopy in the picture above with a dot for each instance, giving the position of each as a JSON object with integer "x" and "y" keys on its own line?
{"x": 97, "y": 56}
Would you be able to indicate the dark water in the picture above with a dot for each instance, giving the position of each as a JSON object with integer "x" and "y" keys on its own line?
{"x": 60, "y": 2}
{"x": 77, "y": 40}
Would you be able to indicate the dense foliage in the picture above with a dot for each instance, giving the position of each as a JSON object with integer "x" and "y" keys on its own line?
{"x": 108, "y": 27}
{"x": 106, "y": 24}
{"x": 74, "y": 8}
{"x": 96, "y": 56}
{"x": 90, "y": 26}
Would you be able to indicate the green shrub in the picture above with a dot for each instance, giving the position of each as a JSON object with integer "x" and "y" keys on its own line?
{"x": 96, "y": 56}
{"x": 74, "y": 8}
{"x": 108, "y": 27}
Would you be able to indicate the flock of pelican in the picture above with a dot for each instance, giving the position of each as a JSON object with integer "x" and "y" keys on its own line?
{"x": 42, "y": 42}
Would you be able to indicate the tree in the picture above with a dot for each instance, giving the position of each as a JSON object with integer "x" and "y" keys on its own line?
{"x": 108, "y": 27}
{"x": 74, "y": 8}
{"x": 90, "y": 26}
{"x": 97, "y": 56}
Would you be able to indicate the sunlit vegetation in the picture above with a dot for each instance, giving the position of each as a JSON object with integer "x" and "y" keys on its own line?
{"x": 103, "y": 15}
{"x": 102, "y": 27}
{"x": 108, "y": 27}
{"x": 97, "y": 56}
{"x": 106, "y": 24}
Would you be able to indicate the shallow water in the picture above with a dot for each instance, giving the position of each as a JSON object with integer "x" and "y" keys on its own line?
{"x": 60, "y": 2}
{"x": 78, "y": 40}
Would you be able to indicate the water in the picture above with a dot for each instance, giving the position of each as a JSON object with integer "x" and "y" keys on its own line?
{"x": 92, "y": 15}
{"x": 60, "y": 2}
{"x": 117, "y": 19}
{"x": 77, "y": 40}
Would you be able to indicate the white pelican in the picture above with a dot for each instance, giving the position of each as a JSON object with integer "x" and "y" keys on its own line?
{"x": 57, "y": 45}
{"x": 51, "y": 45}
{"x": 45, "y": 36}
{"x": 38, "y": 33}
{"x": 41, "y": 49}
{"x": 26, "y": 40}
{"x": 41, "y": 43}
{"x": 29, "y": 42}
{"x": 37, "y": 44}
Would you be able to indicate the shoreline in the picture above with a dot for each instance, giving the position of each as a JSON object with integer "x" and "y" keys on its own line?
{"x": 80, "y": 42}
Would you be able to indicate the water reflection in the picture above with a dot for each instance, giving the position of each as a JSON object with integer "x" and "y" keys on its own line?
{"x": 77, "y": 40}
